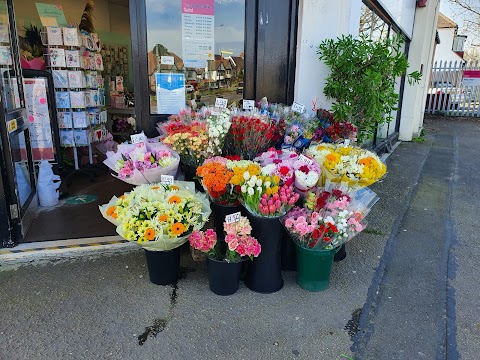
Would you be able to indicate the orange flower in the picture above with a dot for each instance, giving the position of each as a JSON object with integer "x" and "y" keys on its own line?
{"x": 155, "y": 187}
{"x": 178, "y": 228}
{"x": 174, "y": 187}
{"x": 149, "y": 234}
{"x": 122, "y": 197}
{"x": 331, "y": 157}
{"x": 114, "y": 215}
{"x": 111, "y": 211}
{"x": 174, "y": 199}
{"x": 163, "y": 217}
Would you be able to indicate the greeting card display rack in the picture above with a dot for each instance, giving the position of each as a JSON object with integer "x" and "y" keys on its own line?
{"x": 74, "y": 59}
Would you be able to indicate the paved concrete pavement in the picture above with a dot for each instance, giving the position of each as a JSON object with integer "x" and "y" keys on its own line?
{"x": 399, "y": 294}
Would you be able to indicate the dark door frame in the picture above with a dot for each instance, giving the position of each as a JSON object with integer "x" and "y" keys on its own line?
{"x": 138, "y": 20}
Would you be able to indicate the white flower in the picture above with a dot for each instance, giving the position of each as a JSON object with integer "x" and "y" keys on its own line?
{"x": 251, "y": 191}
{"x": 259, "y": 182}
{"x": 251, "y": 182}
{"x": 243, "y": 188}
{"x": 254, "y": 178}
{"x": 267, "y": 184}
{"x": 259, "y": 189}
{"x": 246, "y": 175}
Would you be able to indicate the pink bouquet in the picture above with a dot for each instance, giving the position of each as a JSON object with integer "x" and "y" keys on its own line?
{"x": 240, "y": 243}
{"x": 307, "y": 173}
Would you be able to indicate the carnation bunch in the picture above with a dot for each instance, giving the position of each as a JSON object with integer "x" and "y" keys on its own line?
{"x": 240, "y": 243}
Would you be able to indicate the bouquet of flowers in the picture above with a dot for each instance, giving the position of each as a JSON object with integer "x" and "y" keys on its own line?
{"x": 198, "y": 140}
{"x": 332, "y": 130}
{"x": 300, "y": 130}
{"x": 240, "y": 243}
{"x": 263, "y": 196}
{"x": 356, "y": 166}
{"x": 330, "y": 218}
{"x": 307, "y": 173}
{"x": 251, "y": 134}
{"x": 142, "y": 163}
{"x": 158, "y": 217}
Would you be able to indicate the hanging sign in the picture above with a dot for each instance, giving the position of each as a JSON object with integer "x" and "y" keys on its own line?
{"x": 38, "y": 115}
{"x": 198, "y": 29}
{"x": 12, "y": 125}
{"x": 51, "y": 15}
{"x": 167, "y": 60}
{"x": 170, "y": 92}
{"x": 471, "y": 78}
{"x": 248, "y": 104}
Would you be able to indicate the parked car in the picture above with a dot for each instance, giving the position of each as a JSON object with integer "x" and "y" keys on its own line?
{"x": 456, "y": 96}
{"x": 239, "y": 89}
{"x": 189, "y": 88}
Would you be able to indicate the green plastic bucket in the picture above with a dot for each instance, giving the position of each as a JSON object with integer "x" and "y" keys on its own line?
{"x": 314, "y": 268}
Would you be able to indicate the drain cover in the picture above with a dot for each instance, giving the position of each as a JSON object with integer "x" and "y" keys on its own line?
{"x": 80, "y": 199}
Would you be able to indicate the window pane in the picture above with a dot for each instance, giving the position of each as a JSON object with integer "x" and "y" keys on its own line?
{"x": 201, "y": 39}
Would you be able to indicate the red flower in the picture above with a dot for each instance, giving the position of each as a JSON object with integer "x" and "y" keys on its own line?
{"x": 284, "y": 170}
{"x": 277, "y": 161}
{"x": 304, "y": 169}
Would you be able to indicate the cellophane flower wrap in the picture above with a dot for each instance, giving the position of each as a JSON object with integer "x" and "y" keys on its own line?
{"x": 333, "y": 130}
{"x": 351, "y": 164}
{"x": 263, "y": 195}
{"x": 298, "y": 126}
{"x": 199, "y": 139}
{"x": 330, "y": 218}
{"x": 240, "y": 243}
{"x": 218, "y": 181}
{"x": 158, "y": 217}
{"x": 252, "y": 134}
{"x": 142, "y": 163}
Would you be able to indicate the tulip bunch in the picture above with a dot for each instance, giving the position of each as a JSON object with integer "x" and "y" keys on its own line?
{"x": 275, "y": 204}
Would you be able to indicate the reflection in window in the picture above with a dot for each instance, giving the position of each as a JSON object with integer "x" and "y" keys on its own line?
{"x": 22, "y": 173}
{"x": 186, "y": 41}
{"x": 371, "y": 25}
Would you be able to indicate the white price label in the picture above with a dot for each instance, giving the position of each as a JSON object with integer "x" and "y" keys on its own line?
{"x": 346, "y": 142}
{"x": 138, "y": 138}
{"x": 167, "y": 60}
{"x": 221, "y": 103}
{"x": 248, "y": 104}
{"x": 299, "y": 108}
{"x": 235, "y": 217}
{"x": 166, "y": 179}
{"x": 302, "y": 158}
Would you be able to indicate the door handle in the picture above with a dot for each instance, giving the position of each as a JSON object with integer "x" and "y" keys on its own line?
{"x": 260, "y": 18}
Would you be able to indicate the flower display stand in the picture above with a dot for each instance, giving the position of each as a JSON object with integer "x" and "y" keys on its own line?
{"x": 314, "y": 268}
{"x": 264, "y": 273}
{"x": 163, "y": 266}
{"x": 223, "y": 277}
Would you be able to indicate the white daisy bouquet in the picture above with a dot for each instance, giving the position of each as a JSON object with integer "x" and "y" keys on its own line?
{"x": 158, "y": 217}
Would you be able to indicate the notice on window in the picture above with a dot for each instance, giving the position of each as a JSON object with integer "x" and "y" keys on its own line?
{"x": 38, "y": 116}
{"x": 471, "y": 78}
{"x": 170, "y": 93}
{"x": 197, "y": 30}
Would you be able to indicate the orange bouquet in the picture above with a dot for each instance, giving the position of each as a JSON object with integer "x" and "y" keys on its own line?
{"x": 216, "y": 178}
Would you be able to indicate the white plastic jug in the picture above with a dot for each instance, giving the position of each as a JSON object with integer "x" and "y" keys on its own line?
{"x": 47, "y": 185}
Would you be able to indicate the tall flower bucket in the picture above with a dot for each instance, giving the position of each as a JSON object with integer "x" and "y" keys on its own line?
{"x": 314, "y": 268}
{"x": 219, "y": 213}
{"x": 190, "y": 174}
{"x": 289, "y": 258}
{"x": 341, "y": 254}
{"x": 264, "y": 274}
{"x": 163, "y": 266}
{"x": 223, "y": 277}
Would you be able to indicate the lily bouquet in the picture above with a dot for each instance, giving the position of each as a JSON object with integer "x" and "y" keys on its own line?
{"x": 240, "y": 243}
{"x": 142, "y": 163}
{"x": 351, "y": 164}
{"x": 158, "y": 217}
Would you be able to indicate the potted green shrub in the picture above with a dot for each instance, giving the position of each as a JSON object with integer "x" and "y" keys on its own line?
{"x": 362, "y": 79}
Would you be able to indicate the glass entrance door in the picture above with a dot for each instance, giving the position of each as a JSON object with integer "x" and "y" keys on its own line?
{"x": 19, "y": 191}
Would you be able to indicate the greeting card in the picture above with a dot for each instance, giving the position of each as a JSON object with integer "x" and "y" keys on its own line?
{"x": 66, "y": 138}
{"x": 96, "y": 41}
{"x": 54, "y": 35}
{"x": 76, "y": 79}
{"x": 88, "y": 42}
{"x": 101, "y": 97}
{"x": 60, "y": 78}
{"x": 91, "y": 117}
{"x": 85, "y": 62}
{"x": 71, "y": 36}
{"x": 4, "y": 31}
{"x": 101, "y": 81}
{"x": 103, "y": 117}
{"x": 72, "y": 58}
{"x": 81, "y": 137}
{"x": 94, "y": 95}
{"x": 77, "y": 99}
{"x": 5, "y": 55}
{"x": 57, "y": 57}
{"x": 93, "y": 79}
{"x": 79, "y": 119}
{"x": 88, "y": 99}
{"x": 91, "y": 62}
{"x": 88, "y": 80}
{"x": 65, "y": 120}
{"x": 63, "y": 99}
{"x": 98, "y": 62}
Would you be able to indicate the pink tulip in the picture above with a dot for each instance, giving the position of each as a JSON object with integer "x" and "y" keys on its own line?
{"x": 272, "y": 208}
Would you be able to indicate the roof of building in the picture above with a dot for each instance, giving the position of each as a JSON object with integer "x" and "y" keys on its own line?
{"x": 445, "y": 22}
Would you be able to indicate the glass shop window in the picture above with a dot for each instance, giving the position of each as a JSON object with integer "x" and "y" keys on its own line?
{"x": 196, "y": 46}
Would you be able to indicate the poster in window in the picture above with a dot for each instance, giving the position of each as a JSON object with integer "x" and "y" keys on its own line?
{"x": 170, "y": 92}
{"x": 39, "y": 119}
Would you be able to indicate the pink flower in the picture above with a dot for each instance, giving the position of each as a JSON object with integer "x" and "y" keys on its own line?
{"x": 289, "y": 222}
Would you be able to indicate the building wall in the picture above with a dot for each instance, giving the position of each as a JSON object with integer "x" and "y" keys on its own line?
{"x": 443, "y": 51}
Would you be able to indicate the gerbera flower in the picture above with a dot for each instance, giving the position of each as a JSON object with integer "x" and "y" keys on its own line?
{"x": 149, "y": 234}
{"x": 111, "y": 211}
{"x": 174, "y": 199}
{"x": 163, "y": 217}
{"x": 178, "y": 228}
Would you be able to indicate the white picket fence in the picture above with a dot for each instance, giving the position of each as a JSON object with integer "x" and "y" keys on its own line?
{"x": 448, "y": 93}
